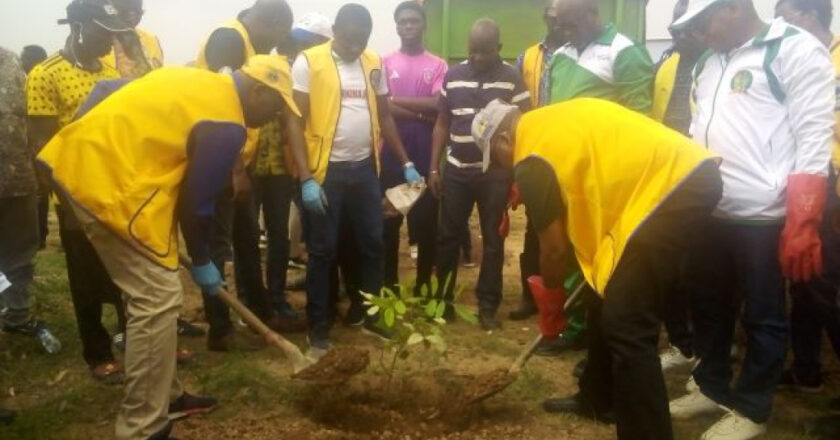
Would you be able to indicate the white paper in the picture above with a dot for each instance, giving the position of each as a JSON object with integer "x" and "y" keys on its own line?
{"x": 403, "y": 197}
{"x": 4, "y": 282}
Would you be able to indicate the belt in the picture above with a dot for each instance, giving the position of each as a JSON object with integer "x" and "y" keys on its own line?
{"x": 458, "y": 164}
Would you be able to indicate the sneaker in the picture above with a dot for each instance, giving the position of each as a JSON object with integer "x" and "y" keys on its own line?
{"x": 189, "y": 330}
{"x": 691, "y": 385}
{"x": 526, "y": 310}
{"x": 789, "y": 382}
{"x": 563, "y": 343}
{"x": 734, "y": 426}
{"x": 187, "y": 405}
{"x": 673, "y": 357}
{"x": 489, "y": 321}
{"x": 355, "y": 316}
{"x": 235, "y": 341}
{"x": 692, "y": 405}
{"x": 413, "y": 251}
{"x": 371, "y": 329}
{"x": 119, "y": 341}
{"x": 40, "y": 330}
{"x": 319, "y": 340}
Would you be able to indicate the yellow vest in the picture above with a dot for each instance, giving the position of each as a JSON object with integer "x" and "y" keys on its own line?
{"x": 532, "y": 70}
{"x": 125, "y": 160}
{"x": 663, "y": 86}
{"x": 201, "y": 62}
{"x": 325, "y": 105}
{"x": 151, "y": 51}
{"x": 614, "y": 167}
{"x": 835, "y": 56}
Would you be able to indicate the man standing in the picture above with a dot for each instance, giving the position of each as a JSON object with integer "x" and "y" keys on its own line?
{"x": 18, "y": 203}
{"x": 55, "y": 89}
{"x": 137, "y": 52}
{"x": 30, "y": 57}
{"x": 534, "y": 66}
{"x": 765, "y": 100}
{"x": 343, "y": 116}
{"x": 469, "y": 87}
{"x": 627, "y": 232}
{"x": 415, "y": 78}
{"x": 257, "y": 30}
{"x": 672, "y": 107}
{"x": 130, "y": 208}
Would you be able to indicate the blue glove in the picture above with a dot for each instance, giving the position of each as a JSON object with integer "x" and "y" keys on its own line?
{"x": 207, "y": 277}
{"x": 314, "y": 199}
{"x": 411, "y": 174}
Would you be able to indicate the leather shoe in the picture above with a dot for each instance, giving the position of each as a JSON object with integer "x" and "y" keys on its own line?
{"x": 562, "y": 343}
{"x": 489, "y": 321}
{"x": 525, "y": 311}
{"x": 576, "y": 405}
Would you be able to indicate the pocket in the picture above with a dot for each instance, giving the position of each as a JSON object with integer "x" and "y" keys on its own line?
{"x": 152, "y": 223}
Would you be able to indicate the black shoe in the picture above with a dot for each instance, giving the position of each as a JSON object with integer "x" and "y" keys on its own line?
{"x": 319, "y": 338}
{"x": 163, "y": 434}
{"x": 235, "y": 341}
{"x": 28, "y": 328}
{"x": 371, "y": 329}
{"x": 489, "y": 321}
{"x": 562, "y": 343}
{"x": 355, "y": 315}
{"x": 579, "y": 367}
{"x": 7, "y": 416}
{"x": 576, "y": 405}
{"x": 824, "y": 428}
{"x": 525, "y": 311}
{"x": 189, "y": 330}
{"x": 187, "y": 405}
{"x": 790, "y": 382}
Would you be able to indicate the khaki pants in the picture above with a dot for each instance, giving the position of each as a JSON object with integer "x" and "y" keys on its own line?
{"x": 152, "y": 297}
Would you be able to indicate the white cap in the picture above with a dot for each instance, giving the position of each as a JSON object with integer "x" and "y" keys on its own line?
{"x": 486, "y": 123}
{"x": 314, "y": 23}
{"x": 695, "y": 8}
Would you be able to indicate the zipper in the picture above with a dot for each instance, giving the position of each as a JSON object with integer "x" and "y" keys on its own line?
{"x": 714, "y": 103}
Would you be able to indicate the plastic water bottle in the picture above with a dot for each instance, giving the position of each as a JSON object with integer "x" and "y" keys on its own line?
{"x": 50, "y": 343}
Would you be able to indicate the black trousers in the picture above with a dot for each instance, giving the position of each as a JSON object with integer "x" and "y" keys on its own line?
{"x": 623, "y": 373}
{"x": 529, "y": 262}
{"x": 90, "y": 288}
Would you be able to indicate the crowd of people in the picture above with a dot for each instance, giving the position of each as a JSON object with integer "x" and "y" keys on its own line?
{"x": 694, "y": 193}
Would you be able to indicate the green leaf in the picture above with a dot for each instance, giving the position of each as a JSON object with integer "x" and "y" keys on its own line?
{"x": 441, "y": 309}
{"x": 390, "y": 317}
{"x": 400, "y": 308}
{"x": 437, "y": 342}
{"x": 414, "y": 339}
{"x": 373, "y": 310}
{"x": 424, "y": 290}
{"x": 440, "y": 321}
{"x": 431, "y": 307}
{"x": 466, "y": 314}
{"x": 366, "y": 295}
{"x": 447, "y": 282}
{"x": 434, "y": 287}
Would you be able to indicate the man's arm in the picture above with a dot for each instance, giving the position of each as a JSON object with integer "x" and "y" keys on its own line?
{"x": 225, "y": 48}
{"x": 440, "y": 134}
{"x": 389, "y": 129}
{"x": 297, "y": 143}
{"x": 416, "y": 105}
{"x": 213, "y": 151}
{"x": 521, "y": 96}
{"x": 633, "y": 74}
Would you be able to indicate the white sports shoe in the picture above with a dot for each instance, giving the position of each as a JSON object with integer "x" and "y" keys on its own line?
{"x": 692, "y": 405}
{"x": 734, "y": 426}
{"x": 673, "y": 357}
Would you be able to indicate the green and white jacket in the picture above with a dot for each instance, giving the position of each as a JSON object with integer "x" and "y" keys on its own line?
{"x": 767, "y": 109}
{"x": 612, "y": 67}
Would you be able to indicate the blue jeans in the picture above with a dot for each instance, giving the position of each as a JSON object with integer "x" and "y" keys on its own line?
{"x": 735, "y": 265}
{"x": 354, "y": 184}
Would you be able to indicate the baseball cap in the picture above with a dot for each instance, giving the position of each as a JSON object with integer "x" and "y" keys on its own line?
{"x": 101, "y": 12}
{"x": 312, "y": 25}
{"x": 274, "y": 72}
{"x": 485, "y": 125}
{"x": 695, "y": 8}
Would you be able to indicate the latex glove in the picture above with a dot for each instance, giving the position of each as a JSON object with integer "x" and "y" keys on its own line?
{"x": 411, "y": 175}
{"x": 800, "y": 249}
{"x": 514, "y": 200}
{"x": 550, "y": 303}
{"x": 314, "y": 199}
{"x": 207, "y": 277}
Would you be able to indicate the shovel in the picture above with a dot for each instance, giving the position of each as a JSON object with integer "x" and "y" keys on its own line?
{"x": 490, "y": 384}
{"x": 337, "y": 366}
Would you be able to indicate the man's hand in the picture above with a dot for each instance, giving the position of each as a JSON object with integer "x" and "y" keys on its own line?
{"x": 314, "y": 199}
{"x": 550, "y": 303}
{"x": 800, "y": 248}
{"x": 207, "y": 277}
{"x": 411, "y": 175}
{"x": 435, "y": 184}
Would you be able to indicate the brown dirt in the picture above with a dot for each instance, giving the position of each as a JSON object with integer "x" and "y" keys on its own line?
{"x": 486, "y": 385}
{"x": 337, "y": 366}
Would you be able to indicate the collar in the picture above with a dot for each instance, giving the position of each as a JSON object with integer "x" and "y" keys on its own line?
{"x": 777, "y": 29}
{"x": 607, "y": 35}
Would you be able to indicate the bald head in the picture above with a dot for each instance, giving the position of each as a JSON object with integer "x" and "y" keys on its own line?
{"x": 484, "y": 45}
{"x": 579, "y": 19}
{"x": 268, "y": 23}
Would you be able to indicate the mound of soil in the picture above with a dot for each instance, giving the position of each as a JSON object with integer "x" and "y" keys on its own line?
{"x": 336, "y": 366}
{"x": 487, "y": 385}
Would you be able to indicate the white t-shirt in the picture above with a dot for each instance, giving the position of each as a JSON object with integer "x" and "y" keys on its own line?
{"x": 353, "y": 139}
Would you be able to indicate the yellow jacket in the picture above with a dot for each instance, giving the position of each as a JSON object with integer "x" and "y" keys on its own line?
{"x": 125, "y": 160}
{"x": 614, "y": 167}
{"x": 532, "y": 71}
{"x": 663, "y": 86}
{"x": 325, "y": 105}
{"x": 152, "y": 54}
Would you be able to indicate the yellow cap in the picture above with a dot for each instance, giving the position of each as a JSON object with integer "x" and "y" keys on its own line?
{"x": 274, "y": 72}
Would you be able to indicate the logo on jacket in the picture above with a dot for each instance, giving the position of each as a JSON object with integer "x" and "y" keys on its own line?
{"x": 375, "y": 78}
{"x": 741, "y": 82}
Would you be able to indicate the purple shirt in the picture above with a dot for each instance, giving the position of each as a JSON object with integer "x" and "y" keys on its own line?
{"x": 413, "y": 76}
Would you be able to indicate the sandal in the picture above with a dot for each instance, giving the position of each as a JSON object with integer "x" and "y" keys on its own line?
{"x": 108, "y": 373}
{"x": 184, "y": 356}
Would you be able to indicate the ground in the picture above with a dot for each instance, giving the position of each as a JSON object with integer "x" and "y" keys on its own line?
{"x": 57, "y": 399}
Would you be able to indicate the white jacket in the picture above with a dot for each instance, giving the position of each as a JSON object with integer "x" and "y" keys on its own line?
{"x": 767, "y": 108}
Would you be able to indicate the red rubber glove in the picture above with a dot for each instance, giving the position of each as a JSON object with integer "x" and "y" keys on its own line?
{"x": 800, "y": 250}
{"x": 514, "y": 200}
{"x": 551, "y": 303}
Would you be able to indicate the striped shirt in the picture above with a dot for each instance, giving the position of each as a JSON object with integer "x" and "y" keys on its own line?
{"x": 465, "y": 92}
